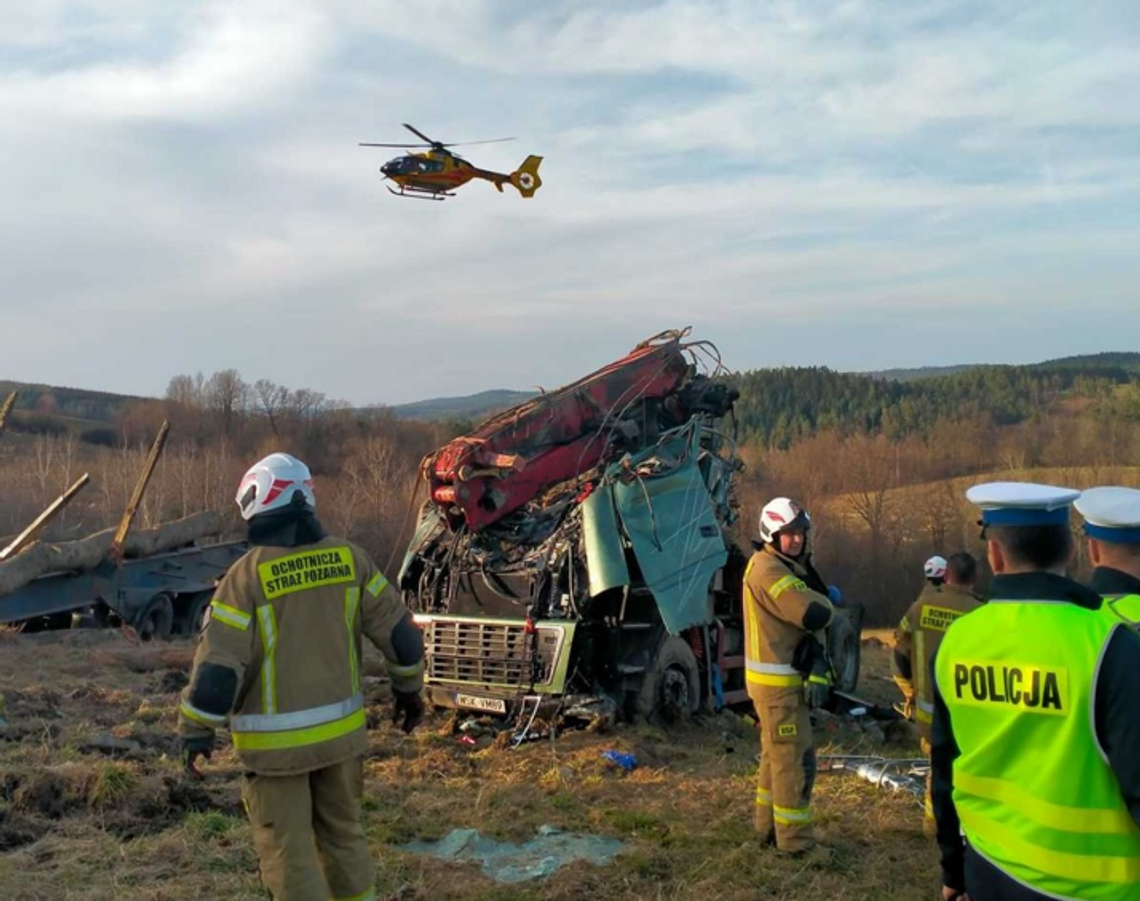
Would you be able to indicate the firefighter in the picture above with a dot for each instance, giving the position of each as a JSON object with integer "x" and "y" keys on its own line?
{"x": 1112, "y": 527}
{"x": 279, "y": 663}
{"x": 917, "y": 638}
{"x": 786, "y": 608}
{"x": 1036, "y": 733}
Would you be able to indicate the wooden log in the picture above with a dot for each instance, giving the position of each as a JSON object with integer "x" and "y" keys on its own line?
{"x": 44, "y": 518}
{"x": 40, "y": 558}
{"x": 119, "y": 543}
{"x": 6, "y": 408}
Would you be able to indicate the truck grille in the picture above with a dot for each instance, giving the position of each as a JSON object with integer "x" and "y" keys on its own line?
{"x": 488, "y": 653}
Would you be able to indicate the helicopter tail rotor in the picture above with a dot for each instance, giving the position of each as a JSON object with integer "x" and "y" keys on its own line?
{"x": 526, "y": 177}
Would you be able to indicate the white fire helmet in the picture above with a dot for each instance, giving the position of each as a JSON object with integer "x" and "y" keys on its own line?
{"x": 271, "y": 483}
{"x": 935, "y": 568}
{"x": 781, "y": 513}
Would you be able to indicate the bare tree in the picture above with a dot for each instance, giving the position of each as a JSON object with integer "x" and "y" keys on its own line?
{"x": 271, "y": 398}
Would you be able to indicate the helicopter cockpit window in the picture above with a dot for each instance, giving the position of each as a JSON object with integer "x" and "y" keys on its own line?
{"x": 430, "y": 166}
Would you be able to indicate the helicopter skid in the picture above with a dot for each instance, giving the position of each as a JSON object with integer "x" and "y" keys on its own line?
{"x": 419, "y": 193}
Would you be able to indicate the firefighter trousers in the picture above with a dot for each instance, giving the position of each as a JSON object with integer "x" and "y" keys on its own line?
{"x": 787, "y": 770}
{"x": 308, "y": 833}
{"x": 929, "y": 829}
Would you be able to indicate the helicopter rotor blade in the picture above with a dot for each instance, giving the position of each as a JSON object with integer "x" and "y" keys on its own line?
{"x": 419, "y": 134}
{"x": 470, "y": 143}
{"x": 404, "y": 145}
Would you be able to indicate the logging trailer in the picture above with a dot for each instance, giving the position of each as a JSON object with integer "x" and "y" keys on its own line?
{"x": 158, "y": 596}
{"x": 157, "y": 583}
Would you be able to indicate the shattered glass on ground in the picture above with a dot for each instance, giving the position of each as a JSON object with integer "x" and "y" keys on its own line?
{"x": 505, "y": 862}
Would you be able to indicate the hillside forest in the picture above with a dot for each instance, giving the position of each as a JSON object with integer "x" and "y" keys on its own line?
{"x": 882, "y": 463}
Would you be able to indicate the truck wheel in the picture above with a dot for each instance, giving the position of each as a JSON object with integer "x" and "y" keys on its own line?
{"x": 191, "y": 611}
{"x": 672, "y": 688}
{"x": 156, "y": 620}
{"x": 843, "y": 647}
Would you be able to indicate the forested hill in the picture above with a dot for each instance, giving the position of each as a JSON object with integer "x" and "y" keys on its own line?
{"x": 778, "y": 406}
{"x": 40, "y": 405}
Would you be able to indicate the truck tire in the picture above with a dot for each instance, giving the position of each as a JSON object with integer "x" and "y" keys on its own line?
{"x": 156, "y": 621}
{"x": 843, "y": 647}
{"x": 191, "y": 611}
{"x": 671, "y": 690}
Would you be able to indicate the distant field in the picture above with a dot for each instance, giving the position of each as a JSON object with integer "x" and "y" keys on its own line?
{"x": 910, "y": 504}
{"x": 76, "y": 825}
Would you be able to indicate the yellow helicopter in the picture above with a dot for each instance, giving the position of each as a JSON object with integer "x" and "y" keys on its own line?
{"x": 436, "y": 174}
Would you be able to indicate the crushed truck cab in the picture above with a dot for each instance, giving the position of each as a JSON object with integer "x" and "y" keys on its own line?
{"x": 574, "y": 552}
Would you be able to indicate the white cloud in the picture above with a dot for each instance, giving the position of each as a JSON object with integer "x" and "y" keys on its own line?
{"x": 229, "y": 57}
{"x": 193, "y": 171}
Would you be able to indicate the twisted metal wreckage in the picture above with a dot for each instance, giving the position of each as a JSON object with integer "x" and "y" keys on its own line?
{"x": 572, "y": 556}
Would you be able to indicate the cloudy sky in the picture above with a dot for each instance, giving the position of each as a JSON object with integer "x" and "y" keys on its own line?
{"x": 855, "y": 184}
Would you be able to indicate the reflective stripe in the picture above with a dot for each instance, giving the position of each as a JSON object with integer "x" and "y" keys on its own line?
{"x": 377, "y": 584}
{"x": 298, "y": 738}
{"x": 764, "y": 797}
{"x": 778, "y": 674}
{"x": 403, "y": 672}
{"x": 1055, "y": 816}
{"x": 298, "y": 719}
{"x": 269, "y": 647}
{"x": 818, "y": 680}
{"x": 924, "y": 711}
{"x": 785, "y": 816}
{"x": 351, "y": 605}
{"x": 1080, "y": 868}
{"x": 200, "y": 716}
{"x": 369, "y": 895}
{"x": 783, "y": 585}
{"x": 231, "y": 616}
{"x": 779, "y": 669}
{"x": 919, "y": 664}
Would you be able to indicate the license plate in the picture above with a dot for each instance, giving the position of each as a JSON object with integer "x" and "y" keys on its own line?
{"x": 493, "y": 705}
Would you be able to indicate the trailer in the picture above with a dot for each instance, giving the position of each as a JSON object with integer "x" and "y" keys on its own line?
{"x": 158, "y": 583}
{"x": 158, "y": 596}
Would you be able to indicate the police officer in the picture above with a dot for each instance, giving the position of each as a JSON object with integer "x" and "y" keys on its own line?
{"x": 1036, "y": 734}
{"x": 1112, "y": 526}
{"x": 918, "y": 636}
{"x": 786, "y": 607}
{"x": 279, "y": 662}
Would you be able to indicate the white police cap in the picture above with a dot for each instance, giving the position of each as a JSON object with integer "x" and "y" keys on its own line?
{"x": 1111, "y": 514}
{"x": 1022, "y": 503}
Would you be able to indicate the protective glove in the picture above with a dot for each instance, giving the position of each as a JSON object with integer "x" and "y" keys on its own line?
{"x": 817, "y": 689}
{"x": 192, "y": 750}
{"x": 835, "y": 595}
{"x": 410, "y": 706}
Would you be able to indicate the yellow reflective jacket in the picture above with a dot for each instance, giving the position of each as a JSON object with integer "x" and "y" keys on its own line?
{"x": 776, "y": 599}
{"x": 917, "y": 638}
{"x": 289, "y": 622}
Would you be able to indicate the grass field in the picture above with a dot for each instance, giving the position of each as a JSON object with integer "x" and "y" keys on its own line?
{"x": 78, "y": 824}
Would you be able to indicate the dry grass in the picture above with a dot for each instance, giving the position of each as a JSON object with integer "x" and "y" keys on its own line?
{"x": 77, "y": 825}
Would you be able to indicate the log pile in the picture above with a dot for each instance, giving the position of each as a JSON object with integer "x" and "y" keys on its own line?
{"x": 41, "y": 558}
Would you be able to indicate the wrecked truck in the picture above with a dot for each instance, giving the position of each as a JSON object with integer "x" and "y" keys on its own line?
{"x": 574, "y": 551}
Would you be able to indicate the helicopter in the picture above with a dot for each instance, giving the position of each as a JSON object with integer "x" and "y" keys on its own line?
{"x": 435, "y": 174}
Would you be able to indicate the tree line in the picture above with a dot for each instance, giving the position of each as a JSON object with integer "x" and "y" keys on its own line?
{"x": 778, "y": 407}
{"x": 881, "y": 465}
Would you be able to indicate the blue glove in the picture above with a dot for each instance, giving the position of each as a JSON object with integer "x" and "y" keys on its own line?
{"x": 835, "y": 595}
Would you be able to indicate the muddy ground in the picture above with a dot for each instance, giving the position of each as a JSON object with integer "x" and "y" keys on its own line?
{"x": 93, "y": 805}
